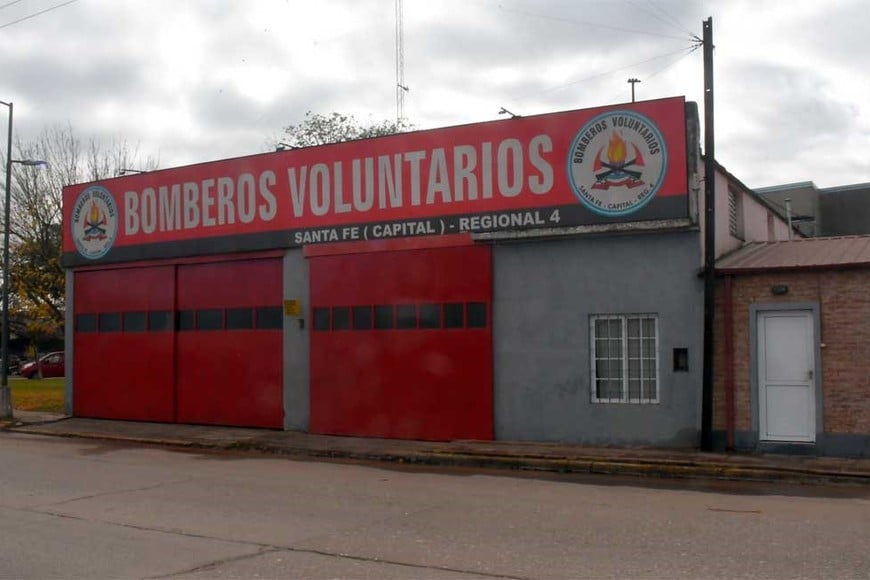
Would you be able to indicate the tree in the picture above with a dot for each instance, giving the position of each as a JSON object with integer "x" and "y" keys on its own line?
{"x": 37, "y": 281}
{"x": 37, "y": 285}
{"x": 319, "y": 129}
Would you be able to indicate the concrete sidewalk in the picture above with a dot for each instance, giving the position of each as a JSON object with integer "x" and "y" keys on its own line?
{"x": 554, "y": 457}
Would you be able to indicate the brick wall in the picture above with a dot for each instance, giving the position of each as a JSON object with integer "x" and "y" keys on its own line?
{"x": 844, "y": 299}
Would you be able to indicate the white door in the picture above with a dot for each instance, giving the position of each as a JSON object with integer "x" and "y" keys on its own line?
{"x": 786, "y": 376}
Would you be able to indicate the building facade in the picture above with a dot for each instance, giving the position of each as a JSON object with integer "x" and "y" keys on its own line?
{"x": 792, "y": 345}
{"x": 533, "y": 278}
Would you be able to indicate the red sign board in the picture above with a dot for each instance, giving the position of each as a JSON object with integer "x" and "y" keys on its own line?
{"x": 591, "y": 166}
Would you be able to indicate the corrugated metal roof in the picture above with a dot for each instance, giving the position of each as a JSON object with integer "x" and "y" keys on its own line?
{"x": 837, "y": 252}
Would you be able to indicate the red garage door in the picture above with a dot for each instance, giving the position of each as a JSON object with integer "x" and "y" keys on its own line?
{"x": 124, "y": 343}
{"x": 401, "y": 344}
{"x": 192, "y": 343}
{"x": 230, "y": 363}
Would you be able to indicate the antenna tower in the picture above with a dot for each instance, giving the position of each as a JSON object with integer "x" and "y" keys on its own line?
{"x": 401, "y": 88}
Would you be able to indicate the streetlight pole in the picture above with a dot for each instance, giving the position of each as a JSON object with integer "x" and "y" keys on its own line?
{"x": 5, "y": 393}
{"x": 633, "y": 82}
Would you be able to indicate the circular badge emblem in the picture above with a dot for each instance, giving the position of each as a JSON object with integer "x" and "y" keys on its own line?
{"x": 94, "y": 222}
{"x": 617, "y": 163}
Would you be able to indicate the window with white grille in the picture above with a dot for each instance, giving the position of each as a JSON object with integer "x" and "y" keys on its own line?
{"x": 624, "y": 358}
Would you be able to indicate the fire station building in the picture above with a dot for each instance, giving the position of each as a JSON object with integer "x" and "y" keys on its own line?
{"x": 534, "y": 278}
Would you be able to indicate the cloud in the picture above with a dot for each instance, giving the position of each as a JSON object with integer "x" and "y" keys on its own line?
{"x": 193, "y": 81}
{"x": 790, "y": 119}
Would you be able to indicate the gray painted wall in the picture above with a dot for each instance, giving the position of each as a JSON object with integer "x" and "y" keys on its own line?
{"x": 296, "y": 344}
{"x": 844, "y": 211}
{"x": 804, "y": 204}
{"x": 544, "y": 294}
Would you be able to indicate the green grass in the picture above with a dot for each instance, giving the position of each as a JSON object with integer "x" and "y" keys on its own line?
{"x": 37, "y": 395}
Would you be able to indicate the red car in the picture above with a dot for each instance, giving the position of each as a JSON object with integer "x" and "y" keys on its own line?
{"x": 50, "y": 365}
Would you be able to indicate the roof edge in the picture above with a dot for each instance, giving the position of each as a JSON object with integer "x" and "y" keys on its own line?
{"x": 786, "y": 186}
{"x": 726, "y": 271}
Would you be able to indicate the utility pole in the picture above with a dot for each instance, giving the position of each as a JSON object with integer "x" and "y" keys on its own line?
{"x": 5, "y": 391}
{"x": 709, "y": 241}
{"x": 633, "y": 82}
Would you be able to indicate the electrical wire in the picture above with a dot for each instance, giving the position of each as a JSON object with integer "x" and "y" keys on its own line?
{"x": 35, "y": 14}
{"x": 662, "y": 16}
{"x": 687, "y": 51}
{"x": 593, "y": 24}
{"x": 650, "y": 12}
{"x": 8, "y": 4}
{"x": 605, "y": 73}
{"x": 669, "y": 65}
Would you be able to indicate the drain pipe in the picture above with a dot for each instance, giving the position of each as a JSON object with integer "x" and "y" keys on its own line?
{"x": 728, "y": 330}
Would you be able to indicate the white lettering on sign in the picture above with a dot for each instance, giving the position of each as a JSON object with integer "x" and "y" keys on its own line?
{"x": 462, "y": 173}
{"x": 435, "y": 177}
{"x": 201, "y": 204}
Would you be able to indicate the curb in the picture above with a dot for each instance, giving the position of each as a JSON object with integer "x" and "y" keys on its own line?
{"x": 644, "y": 466}
{"x": 604, "y": 466}
{"x": 664, "y": 468}
{"x": 18, "y": 425}
{"x": 126, "y": 439}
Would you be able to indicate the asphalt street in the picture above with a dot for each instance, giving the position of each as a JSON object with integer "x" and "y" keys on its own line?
{"x": 73, "y": 508}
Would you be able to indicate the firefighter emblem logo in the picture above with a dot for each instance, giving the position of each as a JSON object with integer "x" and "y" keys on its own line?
{"x": 617, "y": 163}
{"x": 94, "y": 222}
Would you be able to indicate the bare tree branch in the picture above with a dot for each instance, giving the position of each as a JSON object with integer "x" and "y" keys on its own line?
{"x": 36, "y": 274}
{"x": 317, "y": 129}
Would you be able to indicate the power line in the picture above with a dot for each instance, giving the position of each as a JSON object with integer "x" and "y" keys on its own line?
{"x": 666, "y": 19}
{"x": 8, "y": 4}
{"x": 650, "y": 12}
{"x": 604, "y": 73}
{"x": 669, "y": 65}
{"x": 687, "y": 51}
{"x": 593, "y": 24}
{"x": 35, "y": 14}
{"x": 669, "y": 17}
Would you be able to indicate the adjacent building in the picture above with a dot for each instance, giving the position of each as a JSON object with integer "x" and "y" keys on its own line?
{"x": 829, "y": 211}
{"x": 792, "y": 345}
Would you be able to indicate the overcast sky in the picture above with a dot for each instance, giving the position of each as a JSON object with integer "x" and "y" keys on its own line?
{"x": 198, "y": 80}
